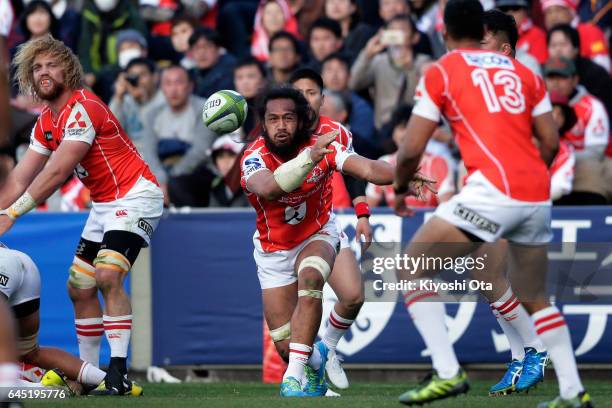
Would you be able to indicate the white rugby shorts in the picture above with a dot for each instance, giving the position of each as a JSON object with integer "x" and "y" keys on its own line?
{"x": 138, "y": 211}
{"x": 276, "y": 269}
{"x": 484, "y": 211}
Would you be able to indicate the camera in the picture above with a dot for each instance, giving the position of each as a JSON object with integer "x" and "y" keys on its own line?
{"x": 132, "y": 79}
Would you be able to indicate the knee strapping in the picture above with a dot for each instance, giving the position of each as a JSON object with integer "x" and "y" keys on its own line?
{"x": 317, "y": 263}
{"x": 82, "y": 274}
{"x": 107, "y": 258}
{"x": 281, "y": 333}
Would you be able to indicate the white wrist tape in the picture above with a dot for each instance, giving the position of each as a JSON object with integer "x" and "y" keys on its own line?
{"x": 23, "y": 204}
{"x": 290, "y": 175}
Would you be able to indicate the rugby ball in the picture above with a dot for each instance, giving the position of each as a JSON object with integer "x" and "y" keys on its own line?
{"x": 224, "y": 112}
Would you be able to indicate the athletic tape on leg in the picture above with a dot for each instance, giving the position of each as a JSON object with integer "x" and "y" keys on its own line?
{"x": 108, "y": 258}
{"x": 82, "y": 274}
{"x": 317, "y": 263}
{"x": 317, "y": 294}
{"x": 281, "y": 333}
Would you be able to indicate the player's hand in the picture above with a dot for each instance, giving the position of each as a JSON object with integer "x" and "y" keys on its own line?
{"x": 363, "y": 233}
{"x": 419, "y": 184}
{"x": 121, "y": 87}
{"x": 321, "y": 147}
{"x": 400, "y": 207}
{"x": 5, "y": 222}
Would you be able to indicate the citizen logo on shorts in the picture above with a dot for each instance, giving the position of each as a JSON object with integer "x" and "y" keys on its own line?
{"x": 3, "y": 280}
{"x": 145, "y": 226}
{"x": 476, "y": 219}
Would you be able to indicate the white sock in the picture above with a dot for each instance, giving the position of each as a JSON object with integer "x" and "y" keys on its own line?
{"x": 118, "y": 330}
{"x": 89, "y": 335}
{"x": 514, "y": 313}
{"x": 514, "y": 339}
{"x": 315, "y": 359}
{"x": 89, "y": 374}
{"x": 336, "y": 327}
{"x": 298, "y": 358}
{"x": 550, "y": 326}
{"x": 428, "y": 317}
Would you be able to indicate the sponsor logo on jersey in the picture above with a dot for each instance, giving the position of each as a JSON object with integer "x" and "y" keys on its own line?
{"x": 145, "y": 226}
{"x": 316, "y": 175}
{"x": 487, "y": 60}
{"x": 121, "y": 213}
{"x": 48, "y": 136}
{"x": 295, "y": 215}
{"x": 4, "y": 280}
{"x": 251, "y": 164}
{"x": 476, "y": 219}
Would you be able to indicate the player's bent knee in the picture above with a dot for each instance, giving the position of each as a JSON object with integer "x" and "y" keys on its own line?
{"x": 82, "y": 274}
{"x": 353, "y": 301}
{"x": 110, "y": 259}
{"x": 314, "y": 262}
{"x": 281, "y": 333}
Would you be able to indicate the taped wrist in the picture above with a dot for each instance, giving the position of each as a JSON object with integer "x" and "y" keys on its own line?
{"x": 290, "y": 175}
{"x": 23, "y": 204}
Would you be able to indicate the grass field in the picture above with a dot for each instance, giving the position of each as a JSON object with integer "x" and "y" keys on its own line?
{"x": 253, "y": 395}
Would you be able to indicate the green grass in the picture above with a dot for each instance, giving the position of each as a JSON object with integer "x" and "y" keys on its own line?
{"x": 373, "y": 395}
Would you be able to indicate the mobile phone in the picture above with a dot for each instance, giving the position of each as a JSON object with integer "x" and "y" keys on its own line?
{"x": 392, "y": 37}
{"x": 132, "y": 79}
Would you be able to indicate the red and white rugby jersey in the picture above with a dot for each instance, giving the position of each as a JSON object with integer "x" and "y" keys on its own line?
{"x": 592, "y": 128}
{"x": 532, "y": 39}
{"x": 489, "y": 100}
{"x": 562, "y": 171}
{"x": 291, "y": 219}
{"x": 593, "y": 44}
{"x": 326, "y": 125}
{"x": 112, "y": 166}
{"x": 432, "y": 166}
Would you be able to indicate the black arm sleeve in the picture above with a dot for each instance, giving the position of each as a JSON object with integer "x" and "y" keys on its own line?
{"x": 355, "y": 188}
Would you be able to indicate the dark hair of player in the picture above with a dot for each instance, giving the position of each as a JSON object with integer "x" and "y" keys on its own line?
{"x": 463, "y": 19}
{"x": 307, "y": 73}
{"x": 499, "y": 22}
{"x": 570, "y": 33}
{"x": 305, "y": 114}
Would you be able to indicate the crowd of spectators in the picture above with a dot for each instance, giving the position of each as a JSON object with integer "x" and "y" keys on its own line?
{"x": 157, "y": 61}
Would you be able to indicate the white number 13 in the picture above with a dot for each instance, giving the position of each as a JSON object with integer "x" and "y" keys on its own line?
{"x": 513, "y": 100}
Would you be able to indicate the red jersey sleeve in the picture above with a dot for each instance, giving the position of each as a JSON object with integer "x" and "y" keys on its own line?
{"x": 38, "y": 140}
{"x": 541, "y": 100}
{"x": 252, "y": 163}
{"x": 339, "y": 155}
{"x": 430, "y": 94}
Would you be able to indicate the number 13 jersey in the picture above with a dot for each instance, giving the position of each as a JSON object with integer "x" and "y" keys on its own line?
{"x": 490, "y": 101}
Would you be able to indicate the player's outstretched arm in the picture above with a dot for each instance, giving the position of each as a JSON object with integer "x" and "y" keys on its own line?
{"x": 373, "y": 171}
{"x": 547, "y": 134}
{"x": 21, "y": 176}
{"x": 290, "y": 175}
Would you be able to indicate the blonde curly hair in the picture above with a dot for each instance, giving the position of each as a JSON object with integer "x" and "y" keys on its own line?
{"x": 24, "y": 63}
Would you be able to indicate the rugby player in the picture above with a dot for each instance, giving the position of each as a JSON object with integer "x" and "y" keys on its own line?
{"x": 20, "y": 286}
{"x": 286, "y": 173}
{"x": 491, "y": 102}
{"x": 346, "y": 279}
{"x": 85, "y": 136}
